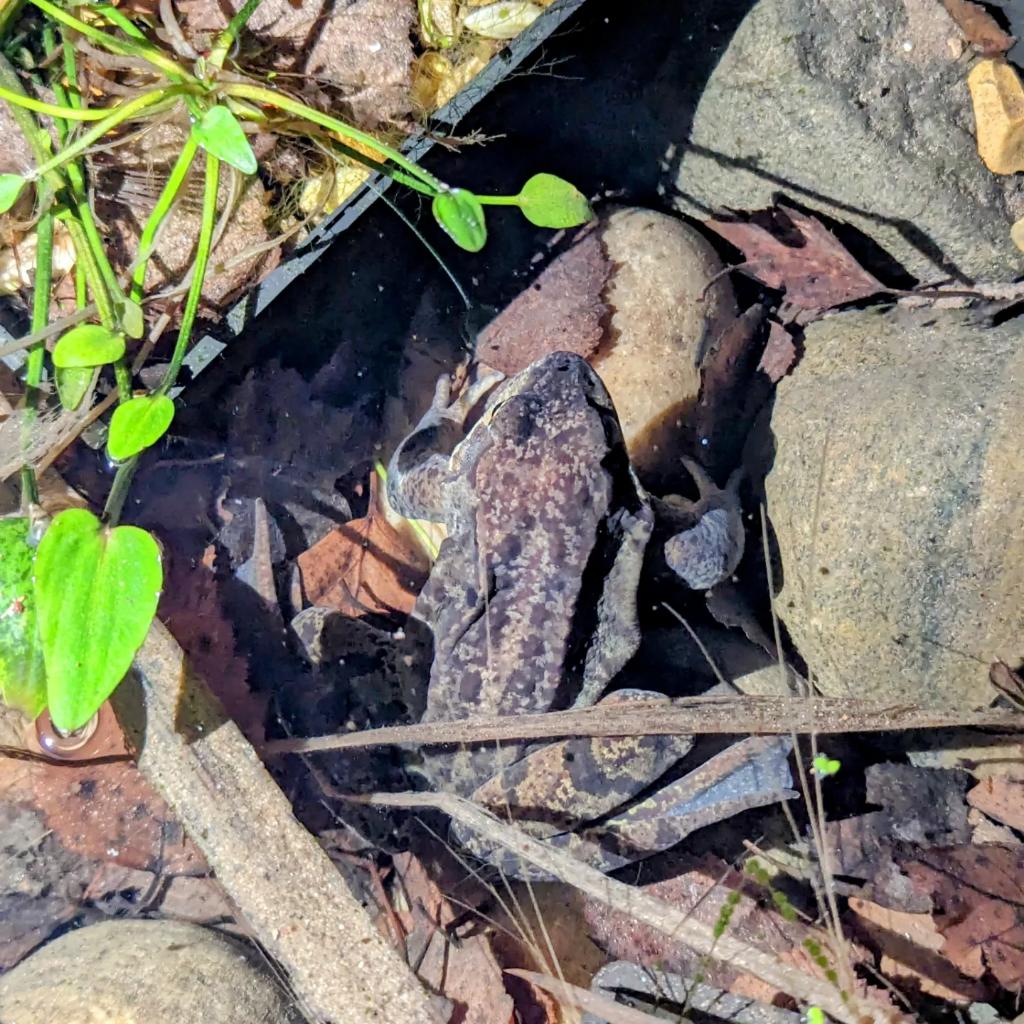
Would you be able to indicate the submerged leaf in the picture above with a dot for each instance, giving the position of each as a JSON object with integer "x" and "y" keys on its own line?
{"x": 22, "y": 674}
{"x": 73, "y": 383}
{"x": 459, "y": 212}
{"x": 221, "y": 135}
{"x": 88, "y": 345}
{"x": 137, "y": 424}
{"x": 552, "y": 202}
{"x": 96, "y": 591}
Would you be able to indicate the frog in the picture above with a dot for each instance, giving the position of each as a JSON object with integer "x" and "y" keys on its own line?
{"x": 532, "y": 599}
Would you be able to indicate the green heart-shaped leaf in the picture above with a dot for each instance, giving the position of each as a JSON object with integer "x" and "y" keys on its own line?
{"x": 96, "y": 595}
{"x": 88, "y": 345}
{"x": 22, "y": 673}
{"x": 220, "y": 134}
{"x": 137, "y": 424}
{"x": 10, "y": 188}
{"x": 459, "y": 212}
{"x": 552, "y": 202}
{"x": 73, "y": 383}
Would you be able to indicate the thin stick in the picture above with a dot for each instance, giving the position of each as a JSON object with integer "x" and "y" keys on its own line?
{"x": 743, "y": 715}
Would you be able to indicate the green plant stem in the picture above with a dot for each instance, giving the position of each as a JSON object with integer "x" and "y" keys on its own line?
{"x": 124, "y": 47}
{"x": 51, "y": 109}
{"x": 156, "y": 218}
{"x": 270, "y": 98}
{"x": 195, "y": 289}
{"x": 126, "y": 25}
{"x": 97, "y": 285}
{"x": 498, "y": 200}
{"x": 227, "y": 38}
{"x": 119, "y": 491}
{"x": 119, "y": 115}
{"x": 34, "y": 371}
{"x": 123, "y": 379}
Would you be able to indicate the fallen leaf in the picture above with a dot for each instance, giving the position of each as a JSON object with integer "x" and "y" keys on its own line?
{"x": 815, "y": 271}
{"x": 978, "y": 897}
{"x": 464, "y": 968}
{"x": 981, "y": 30}
{"x": 1001, "y": 798}
{"x": 191, "y": 608}
{"x": 103, "y": 811}
{"x": 704, "y": 884}
{"x": 1004, "y": 679}
{"x": 365, "y": 567}
{"x": 561, "y": 311}
{"x": 779, "y": 353}
{"x": 910, "y": 946}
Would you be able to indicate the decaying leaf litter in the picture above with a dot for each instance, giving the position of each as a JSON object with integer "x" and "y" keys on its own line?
{"x": 806, "y": 273}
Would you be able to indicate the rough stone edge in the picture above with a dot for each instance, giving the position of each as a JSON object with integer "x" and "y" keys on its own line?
{"x": 289, "y": 892}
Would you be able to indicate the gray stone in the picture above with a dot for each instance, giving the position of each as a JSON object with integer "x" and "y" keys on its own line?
{"x": 897, "y": 501}
{"x": 861, "y": 111}
{"x": 143, "y": 972}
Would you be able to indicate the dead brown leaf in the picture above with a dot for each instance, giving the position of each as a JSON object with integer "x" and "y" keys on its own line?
{"x": 910, "y": 952}
{"x": 561, "y": 311}
{"x": 103, "y": 812}
{"x": 365, "y": 567}
{"x": 704, "y": 884}
{"x": 981, "y": 30}
{"x": 464, "y": 968}
{"x": 811, "y": 265}
{"x": 1001, "y": 798}
{"x": 779, "y": 354}
{"x": 978, "y": 898}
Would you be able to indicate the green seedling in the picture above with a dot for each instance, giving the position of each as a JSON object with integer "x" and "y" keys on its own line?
{"x": 824, "y": 766}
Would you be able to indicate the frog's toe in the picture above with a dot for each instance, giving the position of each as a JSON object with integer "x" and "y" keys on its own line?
{"x": 709, "y": 551}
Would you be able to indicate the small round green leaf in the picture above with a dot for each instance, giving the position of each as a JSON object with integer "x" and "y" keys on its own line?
{"x": 96, "y": 595}
{"x": 137, "y": 424}
{"x": 132, "y": 320}
{"x": 88, "y": 345}
{"x": 552, "y": 202}
{"x": 73, "y": 383}
{"x": 459, "y": 212}
{"x": 220, "y": 134}
{"x": 22, "y": 674}
{"x": 10, "y": 188}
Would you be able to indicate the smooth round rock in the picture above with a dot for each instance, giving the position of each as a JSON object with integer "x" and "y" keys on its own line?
{"x": 897, "y": 501}
{"x": 142, "y": 972}
{"x": 661, "y": 321}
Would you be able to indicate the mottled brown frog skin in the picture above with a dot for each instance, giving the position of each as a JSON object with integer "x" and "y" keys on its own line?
{"x": 532, "y": 600}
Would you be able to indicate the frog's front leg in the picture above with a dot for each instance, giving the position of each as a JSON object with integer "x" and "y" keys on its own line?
{"x": 708, "y": 551}
{"x": 419, "y": 468}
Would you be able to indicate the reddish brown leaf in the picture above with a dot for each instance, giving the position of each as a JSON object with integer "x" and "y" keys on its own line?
{"x": 979, "y": 27}
{"x": 561, "y": 311}
{"x": 103, "y": 812}
{"x": 779, "y": 354}
{"x": 978, "y": 896}
{"x": 816, "y": 273}
{"x": 464, "y": 970}
{"x": 1001, "y": 798}
{"x": 910, "y": 946}
{"x": 365, "y": 567}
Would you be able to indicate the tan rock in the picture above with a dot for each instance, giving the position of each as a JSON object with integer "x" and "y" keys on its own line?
{"x": 998, "y": 97}
{"x": 660, "y": 322}
{"x": 143, "y": 972}
{"x": 897, "y": 500}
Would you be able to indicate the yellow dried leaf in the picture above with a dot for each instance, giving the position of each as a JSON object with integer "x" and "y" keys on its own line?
{"x": 998, "y": 97}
